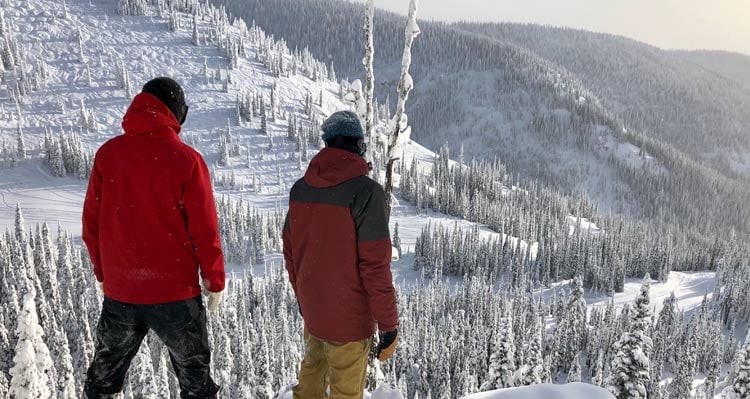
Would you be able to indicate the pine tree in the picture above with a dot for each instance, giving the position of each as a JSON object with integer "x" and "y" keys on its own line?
{"x": 533, "y": 371}
{"x": 196, "y": 37}
{"x": 740, "y": 383}
{"x": 56, "y": 163}
{"x": 630, "y": 366}
{"x": 89, "y": 79}
{"x": 32, "y": 362}
{"x": 66, "y": 382}
{"x": 263, "y": 121}
{"x": 713, "y": 360}
{"x": 223, "y": 152}
{"x": 570, "y": 327}
{"x": 273, "y": 103}
{"x": 263, "y": 388}
{"x": 223, "y": 360}
{"x": 597, "y": 370}
{"x": 83, "y": 117}
{"x": 4, "y": 388}
{"x": 163, "y": 376}
{"x": 79, "y": 46}
{"x": 142, "y": 376}
{"x": 682, "y": 384}
{"x": 502, "y": 366}
{"x": 20, "y": 226}
{"x": 574, "y": 374}
{"x": 20, "y": 143}
{"x": 396, "y": 240}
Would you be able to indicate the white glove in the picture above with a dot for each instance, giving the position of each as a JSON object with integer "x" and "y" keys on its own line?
{"x": 214, "y": 298}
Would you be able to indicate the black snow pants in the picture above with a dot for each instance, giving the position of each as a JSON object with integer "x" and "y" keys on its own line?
{"x": 181, "y": 326}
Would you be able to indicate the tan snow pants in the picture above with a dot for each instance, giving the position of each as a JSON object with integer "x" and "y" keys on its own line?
{"x": 340, "y": 366}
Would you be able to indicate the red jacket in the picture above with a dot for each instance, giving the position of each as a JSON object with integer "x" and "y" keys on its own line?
{"x": 337, "y": 249}
{"x": 149, "y": 218}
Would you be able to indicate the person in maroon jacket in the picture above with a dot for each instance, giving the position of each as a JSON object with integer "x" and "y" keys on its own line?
{"x": 150, "y": 225}
{"x": 337, "y": 249}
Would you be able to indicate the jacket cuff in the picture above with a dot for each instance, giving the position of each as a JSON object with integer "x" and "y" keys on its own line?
{"x": 387, "y": 327}
{"x": 216, "y": 283}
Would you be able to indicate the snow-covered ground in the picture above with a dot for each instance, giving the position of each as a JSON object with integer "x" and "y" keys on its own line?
{"x": 688, "y": 287}
{"x": 44, "y": 197}
{"x": 584, "y": 224}
{"x": 574, "y": 390}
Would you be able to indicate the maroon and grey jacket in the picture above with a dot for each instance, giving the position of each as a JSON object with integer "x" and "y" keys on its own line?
{"x": 337, "y": 249}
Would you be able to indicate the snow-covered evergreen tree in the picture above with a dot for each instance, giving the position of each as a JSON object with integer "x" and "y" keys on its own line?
{"x": 740, "y": 383}
{"x": 569, "y": 332}
{"x": 630, "y": 366}
{"x": 20, "y": 143}
{"x": 163, "y": 376}
{"x": 533, "y": 369}
{"x": 574, "y": 374}
{"x": 682, "y": 384}
{"x": 396, "y": 239}
{"x": 502, "y": 367}
{"x": 142, "y": 380}
{"x": 714, "y": 355}
{"x": 32, "y": 362}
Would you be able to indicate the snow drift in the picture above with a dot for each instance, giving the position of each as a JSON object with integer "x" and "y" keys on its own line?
{"x": 574, "y": 390}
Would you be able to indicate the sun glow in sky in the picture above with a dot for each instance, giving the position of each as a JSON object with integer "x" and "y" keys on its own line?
{"x": 669, "y": 24}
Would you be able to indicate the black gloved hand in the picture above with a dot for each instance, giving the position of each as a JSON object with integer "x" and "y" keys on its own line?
{"x": 388, "y": 342}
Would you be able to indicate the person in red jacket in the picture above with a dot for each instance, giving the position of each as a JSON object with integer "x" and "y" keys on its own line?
{"x": 337, "y": 249}
{"x": 151, "y": 229}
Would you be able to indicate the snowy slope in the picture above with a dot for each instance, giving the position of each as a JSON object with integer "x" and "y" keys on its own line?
{"x": 48, "y": 31}
{"x": 546, "y": 391}
{"x": 147, "y": 48}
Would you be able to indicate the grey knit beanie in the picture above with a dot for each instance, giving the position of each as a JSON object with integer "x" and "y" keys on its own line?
{"x": 342, "y": 124}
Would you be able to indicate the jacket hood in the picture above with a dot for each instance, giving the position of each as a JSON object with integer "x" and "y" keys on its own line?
{"x": 333, "y": 166}
{"x": 148, "y": 115}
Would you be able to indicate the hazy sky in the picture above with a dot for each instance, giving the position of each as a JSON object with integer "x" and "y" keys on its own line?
{"x": 671, "y": 24}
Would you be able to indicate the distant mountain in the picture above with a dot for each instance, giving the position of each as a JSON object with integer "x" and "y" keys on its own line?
{"x": 734, "y": 66}
{"x": 654, "y": 91}
{"x": 640, "y": 130}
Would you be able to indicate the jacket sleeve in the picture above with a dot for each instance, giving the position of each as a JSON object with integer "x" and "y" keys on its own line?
{"x": 203, "y": 225}
{"x": 288, "y": 259}
{"x": 91, "y": 207}
{"x": 374, "y": 247}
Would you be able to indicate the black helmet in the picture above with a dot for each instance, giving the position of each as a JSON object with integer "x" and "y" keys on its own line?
{"x": 171, "y": 94}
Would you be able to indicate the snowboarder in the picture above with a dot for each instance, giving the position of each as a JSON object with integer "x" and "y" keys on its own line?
{"x": 337, "y": 249}
{"x": 150, "y": 225}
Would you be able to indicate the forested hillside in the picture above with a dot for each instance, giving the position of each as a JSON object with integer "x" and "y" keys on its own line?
{"x": 656, "y": 92}
{"x": 734, "y": 66}
{"x": 544, "y": 107}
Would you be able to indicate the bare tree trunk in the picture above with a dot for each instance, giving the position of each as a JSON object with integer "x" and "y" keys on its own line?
{"x": 400, "y": 132}
{"x": 370, "y": 70}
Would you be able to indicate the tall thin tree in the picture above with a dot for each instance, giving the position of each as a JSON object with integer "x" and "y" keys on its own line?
{"x": 400, "y": 131}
